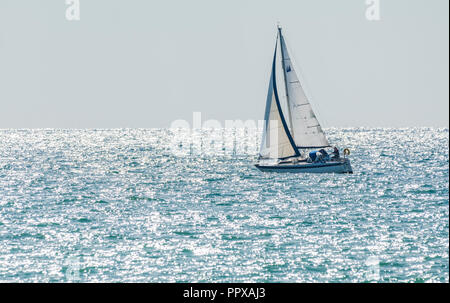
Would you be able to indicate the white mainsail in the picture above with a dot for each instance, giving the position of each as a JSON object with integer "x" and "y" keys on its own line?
{"x": 305, "y": 128}
{"x": 277, "y": 142}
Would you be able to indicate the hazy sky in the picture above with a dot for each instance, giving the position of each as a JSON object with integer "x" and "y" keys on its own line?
{"x": 140, "y": 63}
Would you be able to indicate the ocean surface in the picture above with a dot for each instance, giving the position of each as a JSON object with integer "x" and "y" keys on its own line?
{"x": 122, "y": 205}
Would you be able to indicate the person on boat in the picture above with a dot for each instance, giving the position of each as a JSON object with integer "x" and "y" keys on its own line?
{"x": 312, "y": 157}
{"x": 319, "y": 157}
{"x": 335, "y": 153}
{"x": 325, "y": 155}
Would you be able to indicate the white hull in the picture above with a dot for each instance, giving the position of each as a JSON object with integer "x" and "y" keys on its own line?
{"x": 340, "y": 167}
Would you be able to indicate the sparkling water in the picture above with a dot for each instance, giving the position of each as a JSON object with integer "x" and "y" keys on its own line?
{"x": 120, "y": 205}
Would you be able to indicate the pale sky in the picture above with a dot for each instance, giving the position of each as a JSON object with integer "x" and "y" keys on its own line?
{"x": 140, "y": 63}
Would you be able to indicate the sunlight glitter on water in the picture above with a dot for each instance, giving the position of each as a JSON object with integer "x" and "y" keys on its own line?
{"x": 118, "y": 205}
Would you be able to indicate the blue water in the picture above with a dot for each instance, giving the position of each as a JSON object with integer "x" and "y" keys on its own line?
{"x": 118, "y": 205}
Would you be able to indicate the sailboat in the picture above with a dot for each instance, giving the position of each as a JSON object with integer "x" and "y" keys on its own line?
{"x": 293, "y": 140}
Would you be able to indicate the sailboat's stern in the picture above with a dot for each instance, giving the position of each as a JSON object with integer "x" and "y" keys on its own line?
{"x": 347, "y": 167}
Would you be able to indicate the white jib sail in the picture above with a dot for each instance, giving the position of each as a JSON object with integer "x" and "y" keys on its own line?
{"x": 305, "y": 127}
{"x": 277, "y": 142}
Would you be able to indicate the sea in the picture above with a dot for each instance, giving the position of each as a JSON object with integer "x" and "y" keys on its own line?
{"x": 149, "y": 205}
